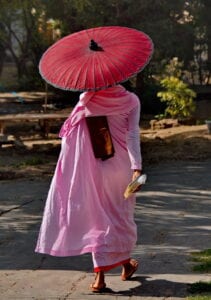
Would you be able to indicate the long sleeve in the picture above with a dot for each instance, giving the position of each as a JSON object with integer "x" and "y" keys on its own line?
{"x": 133, "y": 138}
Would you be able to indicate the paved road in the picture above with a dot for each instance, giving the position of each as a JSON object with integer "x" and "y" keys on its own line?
{"x": 173, "y": 218}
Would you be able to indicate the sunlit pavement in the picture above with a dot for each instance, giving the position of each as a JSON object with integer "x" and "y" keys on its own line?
{"x": 173, "y": 218}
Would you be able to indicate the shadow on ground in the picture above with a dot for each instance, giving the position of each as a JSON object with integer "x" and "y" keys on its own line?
{"x": 154, "y": 288}
{"x": 172, "y": 214}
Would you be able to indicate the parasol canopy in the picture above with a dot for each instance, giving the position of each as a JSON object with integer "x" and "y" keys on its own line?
{"x": 96, "y": 58}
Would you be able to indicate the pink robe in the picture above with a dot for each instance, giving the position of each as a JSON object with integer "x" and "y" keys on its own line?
{"x": 85, "y": 209}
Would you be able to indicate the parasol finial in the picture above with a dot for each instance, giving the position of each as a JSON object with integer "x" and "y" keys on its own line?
{"x": 94, "y": 46}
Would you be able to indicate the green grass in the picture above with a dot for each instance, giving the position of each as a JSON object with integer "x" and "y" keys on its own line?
{"x": 200, "y": 297}
{"x": 201, "y": 290}
{"x": 34, "y": 161}
{"x": 204, "y": 260}
{"x": 200, "y": 287}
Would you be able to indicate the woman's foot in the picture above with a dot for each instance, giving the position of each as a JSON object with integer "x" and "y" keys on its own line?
{"x": 129, "y": 269}
{"x": 99, "y": 285}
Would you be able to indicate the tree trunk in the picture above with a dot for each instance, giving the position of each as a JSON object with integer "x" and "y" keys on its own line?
{"x": 2, "y": 58}
{"x": 139, "y": 84}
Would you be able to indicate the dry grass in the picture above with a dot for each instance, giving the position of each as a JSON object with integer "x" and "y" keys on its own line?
{"x": 179, "y": 143}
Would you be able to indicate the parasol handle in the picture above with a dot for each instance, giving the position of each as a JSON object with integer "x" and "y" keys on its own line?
{"x": 94, "y": 46}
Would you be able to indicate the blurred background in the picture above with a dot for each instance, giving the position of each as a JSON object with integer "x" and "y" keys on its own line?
{"x": 180, "y": 30}
{"x": 175, "y": 88}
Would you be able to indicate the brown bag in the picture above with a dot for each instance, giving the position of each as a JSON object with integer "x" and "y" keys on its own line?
{"x": 100, "y": 137}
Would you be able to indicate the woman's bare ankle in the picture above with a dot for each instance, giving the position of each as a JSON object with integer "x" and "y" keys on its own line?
{"x": 99, "y": 279}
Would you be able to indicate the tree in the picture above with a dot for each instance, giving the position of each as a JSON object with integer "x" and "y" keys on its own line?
{"x": 179, "y": 29}
{"x": 20, "y": 35}
{"x": 2, "y": 53}
{"x": 198, "y": 12}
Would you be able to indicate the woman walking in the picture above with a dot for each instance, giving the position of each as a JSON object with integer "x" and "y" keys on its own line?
{"x": 85, "y": 210}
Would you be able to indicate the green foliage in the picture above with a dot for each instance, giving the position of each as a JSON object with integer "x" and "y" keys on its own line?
{"x": 178, "y": 28}
{"x": 201, "y": 290}
{"x": 34, "y": 161}
{"x": 159, "y": 116}
{"x": 200, "y": 297}
{"x": 204, "y": 258}
{"x": 174, "y": 67}
{"x": 177, "y": 96}
{"x": 200, "y": 287}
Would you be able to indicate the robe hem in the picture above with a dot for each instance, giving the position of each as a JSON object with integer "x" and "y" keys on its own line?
{"x": 108, "y": 268}
{"x": 77, "y": 252}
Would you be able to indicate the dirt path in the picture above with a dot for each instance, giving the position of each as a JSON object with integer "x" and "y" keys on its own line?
{"x": 172, "y": 214}
{"x": 173, "y": 218}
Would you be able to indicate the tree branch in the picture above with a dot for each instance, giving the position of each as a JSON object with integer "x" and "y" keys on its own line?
{"x": 12, "y": 32}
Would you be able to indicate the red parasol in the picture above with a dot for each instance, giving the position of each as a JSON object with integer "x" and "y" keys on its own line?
{"x": 96, "y": 58}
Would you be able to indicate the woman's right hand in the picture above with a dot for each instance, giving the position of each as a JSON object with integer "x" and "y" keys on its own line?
{"x": 136, "y": 173}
